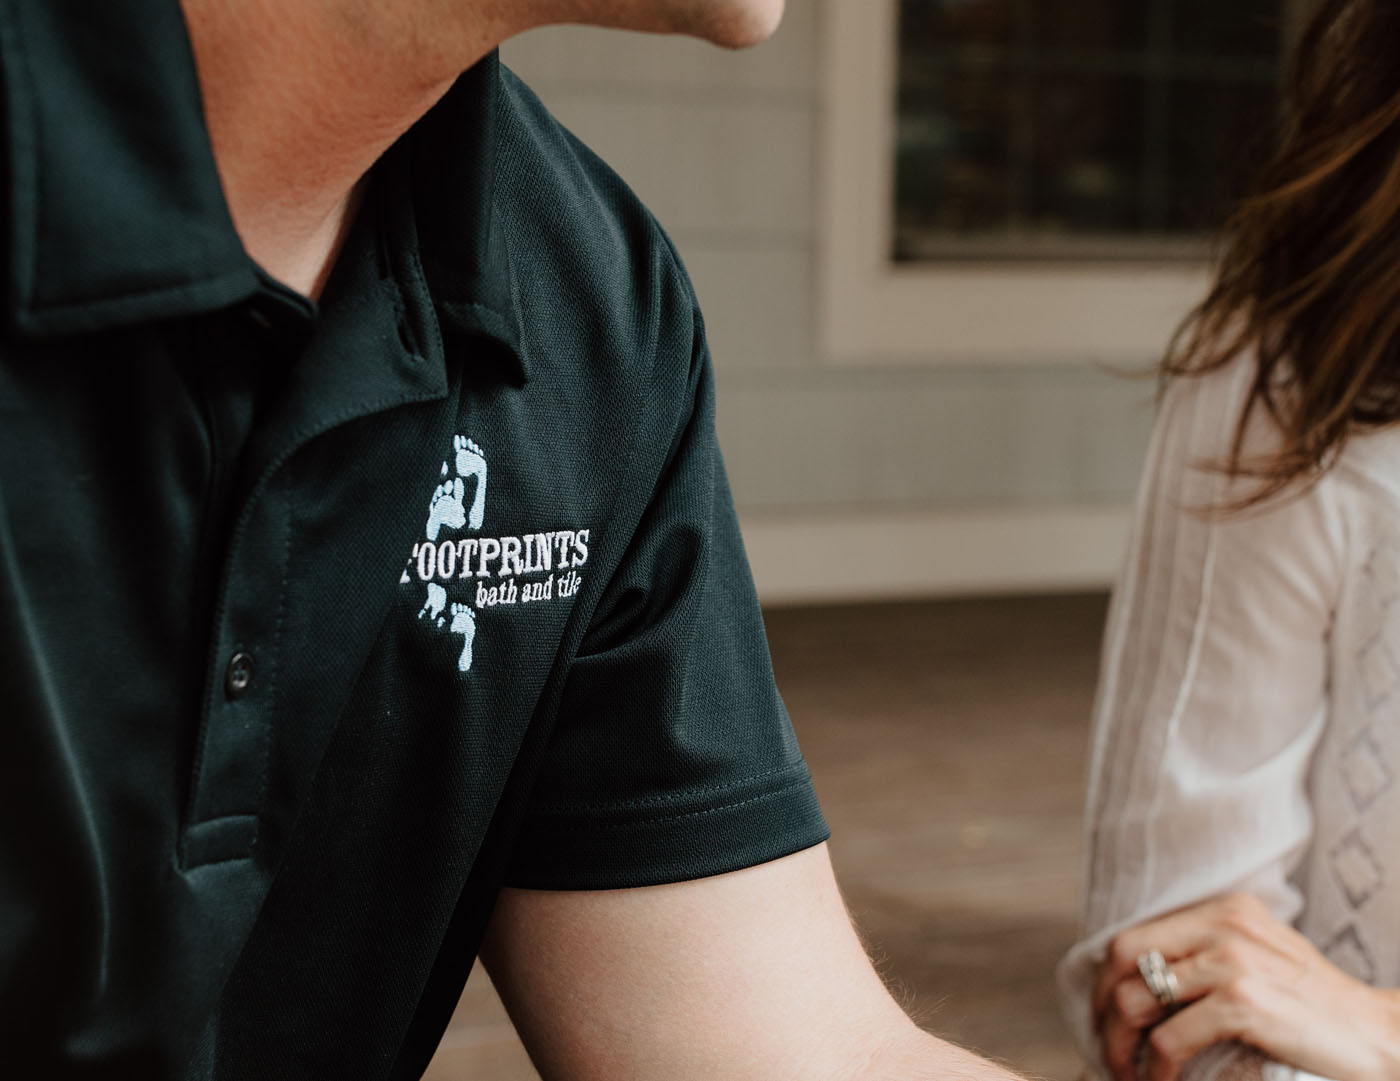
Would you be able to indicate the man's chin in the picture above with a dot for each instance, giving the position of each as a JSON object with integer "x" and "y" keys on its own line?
{"x": 739, "y": 24}
{"x": 731, "y": 24}
{"x": 766, "y": 15}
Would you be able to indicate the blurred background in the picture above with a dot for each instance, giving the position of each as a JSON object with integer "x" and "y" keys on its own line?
{"x": 933, "y": 239}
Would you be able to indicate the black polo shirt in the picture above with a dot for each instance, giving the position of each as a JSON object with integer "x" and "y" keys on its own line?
{"x": 319, "y": 624}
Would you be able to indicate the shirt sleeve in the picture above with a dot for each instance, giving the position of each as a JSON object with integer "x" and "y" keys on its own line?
{"x": 672, "y": 755}
{"x": 1212, "y": 695}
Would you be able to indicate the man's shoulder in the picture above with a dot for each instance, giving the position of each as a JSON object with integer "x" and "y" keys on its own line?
{"x": 542, "y": 165}
{"x": 581, "y": 241}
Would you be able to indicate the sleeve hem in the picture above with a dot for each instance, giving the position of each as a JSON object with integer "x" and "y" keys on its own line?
{"x": 601, "y": 851}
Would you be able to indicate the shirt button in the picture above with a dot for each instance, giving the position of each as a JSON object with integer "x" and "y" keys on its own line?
{"x": 239, "y": 675}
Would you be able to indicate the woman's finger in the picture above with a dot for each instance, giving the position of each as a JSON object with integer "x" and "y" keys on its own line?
{"x": 1196, "y": 977}
{"x": 1174, "y": 938}
{"x": 1178, "y": 1039}
{"x": 1119, "y": 1042}
{"x": 1134, "y": 1004}
{"x": 1182, "y": 933}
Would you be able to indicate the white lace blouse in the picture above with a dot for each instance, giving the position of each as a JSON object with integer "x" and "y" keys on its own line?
{"x": 1247, "y": 725}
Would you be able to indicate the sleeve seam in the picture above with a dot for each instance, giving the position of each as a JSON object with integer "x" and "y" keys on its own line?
{"x": 1189, "y": 674}
{"x": 553, "y": 821}
{"x": 642, "y": 803}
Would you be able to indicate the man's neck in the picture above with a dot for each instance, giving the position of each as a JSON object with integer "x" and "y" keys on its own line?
{"x": 301, "y": 100}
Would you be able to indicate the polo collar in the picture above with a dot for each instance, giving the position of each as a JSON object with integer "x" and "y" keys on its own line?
{"x": 463, "y": 244}
{"x": 116, "y": 215}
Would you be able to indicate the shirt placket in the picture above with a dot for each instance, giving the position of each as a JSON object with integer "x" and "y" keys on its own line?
{"x": 354, "y": 366}
{"x": 230, "y": 769}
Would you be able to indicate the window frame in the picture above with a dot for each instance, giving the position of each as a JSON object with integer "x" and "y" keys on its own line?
{"x": 874, "y": 311}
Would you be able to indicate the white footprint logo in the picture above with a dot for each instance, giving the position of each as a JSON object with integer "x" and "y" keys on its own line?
{"x": 446, "y": 508}
{"x": 472, "y": 463}
{"x": 464, "y": 623}
{"x": 433, "y": 606}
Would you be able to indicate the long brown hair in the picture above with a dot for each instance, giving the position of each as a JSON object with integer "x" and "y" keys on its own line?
{"x": 1308, "y": 277}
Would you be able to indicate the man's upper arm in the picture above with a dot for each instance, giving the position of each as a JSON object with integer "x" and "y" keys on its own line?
{"x": 756, "y": 974}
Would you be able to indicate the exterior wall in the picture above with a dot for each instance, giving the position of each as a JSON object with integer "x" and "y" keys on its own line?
{"x": 968, "y": 477}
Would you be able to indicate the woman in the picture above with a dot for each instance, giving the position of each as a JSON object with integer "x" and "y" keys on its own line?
{"x": 1243, "y": 903}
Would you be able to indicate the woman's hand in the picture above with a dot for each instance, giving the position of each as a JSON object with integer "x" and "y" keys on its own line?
{"x": 1245, "y": 976}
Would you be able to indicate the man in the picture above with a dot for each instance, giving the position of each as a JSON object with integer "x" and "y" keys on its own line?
{"x": 371, "y": 591}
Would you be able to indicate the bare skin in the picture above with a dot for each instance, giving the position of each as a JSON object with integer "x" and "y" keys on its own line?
{"x": 751, "y": 976}
{"x": 1243, "y": 975}
{"x": 302, "y": 96}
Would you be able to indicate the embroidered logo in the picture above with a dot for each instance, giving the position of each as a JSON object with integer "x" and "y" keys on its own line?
{"x": 484, "y": 571}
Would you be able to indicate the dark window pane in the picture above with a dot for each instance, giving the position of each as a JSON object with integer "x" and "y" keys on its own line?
{"x": 942, "y": 23}
{"x": 1245, "y": 28}
{"x": 1092, "y": 24}
{"x": 1086, "y": 165}
{"x": 1061, "y": 126}
{"x": 1220, "y": 137}
{"x": 954, "y": 171}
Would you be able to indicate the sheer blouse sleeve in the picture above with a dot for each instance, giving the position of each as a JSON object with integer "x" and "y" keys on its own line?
{"x": 1212, "y": 696}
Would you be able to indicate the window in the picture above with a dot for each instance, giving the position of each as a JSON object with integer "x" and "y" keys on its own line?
{"x": 1016, "y": 181}
{"x": 1080, "y": 128}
